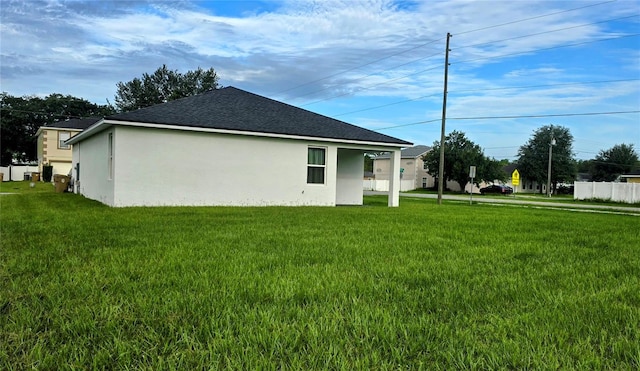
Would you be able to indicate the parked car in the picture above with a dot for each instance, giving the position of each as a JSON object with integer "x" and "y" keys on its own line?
{"x": 565, "y": 190}
{"x": 497, "y": 188}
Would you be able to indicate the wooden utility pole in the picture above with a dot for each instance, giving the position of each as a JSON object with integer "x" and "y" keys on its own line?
{"x": 444, "y": 118}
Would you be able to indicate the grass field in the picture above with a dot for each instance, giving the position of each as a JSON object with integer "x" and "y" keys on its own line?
{"x": 422, "y": 286}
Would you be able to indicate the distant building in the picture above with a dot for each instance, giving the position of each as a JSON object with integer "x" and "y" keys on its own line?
{"x": 411, "y": 166}
{"x": 632, "y": 177}
{"x": 51, "y": 147}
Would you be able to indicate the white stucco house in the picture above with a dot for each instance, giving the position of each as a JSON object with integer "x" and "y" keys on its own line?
{"x": 226, "y": 147}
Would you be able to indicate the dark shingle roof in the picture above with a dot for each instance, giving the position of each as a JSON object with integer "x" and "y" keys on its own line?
{"x": 235, "y": 109}
{"x": 510, "y": 168}
{"x": 411, "y": 152}
{"x": 75, "y": 123}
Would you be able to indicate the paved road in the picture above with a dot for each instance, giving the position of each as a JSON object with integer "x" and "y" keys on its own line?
{"x": 511, "y": 200}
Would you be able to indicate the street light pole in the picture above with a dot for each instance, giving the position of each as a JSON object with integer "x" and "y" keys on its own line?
{"x": 553, "y": 143}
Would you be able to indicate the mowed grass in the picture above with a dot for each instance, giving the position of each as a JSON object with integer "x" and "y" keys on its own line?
{"x": 422, "y": 286}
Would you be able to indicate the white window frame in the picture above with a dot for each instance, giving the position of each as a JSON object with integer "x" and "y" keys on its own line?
{"x": 110, "y": 155}
{"x": 61, "y": 141}
{"x": 323, "y": 166}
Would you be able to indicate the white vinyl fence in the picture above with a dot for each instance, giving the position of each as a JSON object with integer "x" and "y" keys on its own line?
{"x": 619, "y": 192}
{"x": 383, "y": 185}
{"x": 17, "y": 172}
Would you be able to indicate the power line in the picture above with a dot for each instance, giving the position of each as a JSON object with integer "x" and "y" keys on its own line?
{"x": 360, "y": 66}
{"x": 546, "y": 32}
{"x": 388, "y": 104}
{"x": 536, "y": 17}
{"x": 512, "y": 117}
{"x": 471, "y": 60}
{"x": 371, "y": 86}
{"x": 485, "y": 89}
{"x": 434, "y": 41}
{"x": 545, "y": 85}
{"x": 544, "y": 49}
{"x": 370, "y": 74}
{"x": 549, "y": 115}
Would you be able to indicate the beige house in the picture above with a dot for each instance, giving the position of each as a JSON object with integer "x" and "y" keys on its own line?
{"x": 51, "y": 147}
{"x": 412, "y": 168}
{"x": 633, "y": 177}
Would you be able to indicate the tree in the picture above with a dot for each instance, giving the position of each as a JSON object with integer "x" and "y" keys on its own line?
{"x": 584, "y": 166}
{"x": 459, "y": 154}
{"x": 162, "y": 86}
{"x": 22, "y": 116}
{"x": 533, "y": 162}
{"x": 610, "y": 163}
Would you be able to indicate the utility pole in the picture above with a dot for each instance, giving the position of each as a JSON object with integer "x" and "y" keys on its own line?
{"x": 444, "y": 117}
{"x": 551, "y": 144}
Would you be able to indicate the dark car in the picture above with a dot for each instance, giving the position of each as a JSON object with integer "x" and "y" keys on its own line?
{"x": 497, "y": 188}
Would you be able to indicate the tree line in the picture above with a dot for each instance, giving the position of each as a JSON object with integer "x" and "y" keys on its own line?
{"x": 533, "y": 160}
{"x": 20, "y": 117}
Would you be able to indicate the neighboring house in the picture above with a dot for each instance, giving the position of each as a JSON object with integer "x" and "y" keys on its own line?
{"x": 526, "y": 185}
{"x": 226, "y": 147}
{"x": 52, "y": 149}
{"x": 633, "y": 177}
{"x": 412, "y": 168}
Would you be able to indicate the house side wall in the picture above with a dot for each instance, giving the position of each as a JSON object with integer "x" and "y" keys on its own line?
{"x": 40, "y": 149}
{"x": 422, "y": 173}
{"x": 413, "y": 171}
{"x": 91, "y": 154}
{"x": 349, "y": 177}
{"x": 168, "y": 167}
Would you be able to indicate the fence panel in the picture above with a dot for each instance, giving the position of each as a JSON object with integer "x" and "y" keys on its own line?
{"x": 17, "y": 173}
{"x": 618, "y": 192}
{"x": 383, "y": 185}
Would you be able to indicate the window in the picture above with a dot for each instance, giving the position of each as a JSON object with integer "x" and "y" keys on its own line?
{"x": 62, "y": 136}
{"x": 425, "y": 167}
{"x": 315, "y": 165}
{"x": 110, "y": 155}
{"x": 424, "y": 182}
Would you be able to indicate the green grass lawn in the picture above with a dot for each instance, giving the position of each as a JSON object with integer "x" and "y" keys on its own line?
{"x": 422, "y": 286}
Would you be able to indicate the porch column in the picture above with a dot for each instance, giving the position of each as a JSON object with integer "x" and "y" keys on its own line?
{"x": 394, "y": 179}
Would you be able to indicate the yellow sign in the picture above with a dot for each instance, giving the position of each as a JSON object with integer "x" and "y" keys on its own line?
{"x": 515, "y": 178}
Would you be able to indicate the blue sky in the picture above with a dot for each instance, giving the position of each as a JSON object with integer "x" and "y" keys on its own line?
{"x": 377, "y": 64}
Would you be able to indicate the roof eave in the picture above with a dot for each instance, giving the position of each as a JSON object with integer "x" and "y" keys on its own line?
{"x": 91, "y": 130}
{"x": 106, "y": 122}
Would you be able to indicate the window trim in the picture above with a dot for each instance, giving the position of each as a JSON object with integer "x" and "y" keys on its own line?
{"x": 60, "y": 145}
{"x": 317, "y": 166}
{"x": 110, "y": 156}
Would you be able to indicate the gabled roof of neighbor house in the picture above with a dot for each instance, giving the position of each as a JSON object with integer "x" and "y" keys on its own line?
{"x": 71, "y": 124}
{"x": 234, "y": 110}
{"x": 510, "y": 168}
{"x": 79, "y": 124}
{"x": 411, "y": 152}
{"x": 631, "y": 174}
